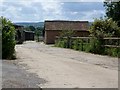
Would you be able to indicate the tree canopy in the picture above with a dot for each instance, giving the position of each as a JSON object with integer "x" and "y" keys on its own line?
{"x": 104, "y": 28}
{"x": 113, "y": 10}
{"x": 32, "y": 28}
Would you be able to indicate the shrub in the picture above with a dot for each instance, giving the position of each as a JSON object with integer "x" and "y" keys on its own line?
{"x": 82, "y": 43}
{"x": 112, "y": 51}
{"x": 8, "y": 39}
{"x": 61, "y": 43}
{"x": 76, "y": 44}
{"x": 87, "y": 47}
{"x": 95, "y": 46}
{"x": 68, "y": 33}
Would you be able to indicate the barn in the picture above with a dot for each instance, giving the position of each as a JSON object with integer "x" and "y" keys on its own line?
{"x": 19, "y": 34}
{"x": 28, "y": 35}
{"x": 53, "y": 29}
{"x": 23, "y": 35}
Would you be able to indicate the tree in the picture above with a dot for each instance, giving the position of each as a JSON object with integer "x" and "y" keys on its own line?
{"x": 113, "y": 10}
{"x": 104, "y": 28}
{"x": 39, "y": 32}
{"x": 8, "y": 38}
{"x": 32, "y": 28}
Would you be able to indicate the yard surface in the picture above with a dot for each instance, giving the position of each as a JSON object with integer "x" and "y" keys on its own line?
{"x": 48, "y": 66}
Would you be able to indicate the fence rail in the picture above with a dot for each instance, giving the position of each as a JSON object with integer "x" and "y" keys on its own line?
{"x": 112, "y": 42}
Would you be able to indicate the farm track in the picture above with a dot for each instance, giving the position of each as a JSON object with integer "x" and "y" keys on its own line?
{"x": 64, "y": 68}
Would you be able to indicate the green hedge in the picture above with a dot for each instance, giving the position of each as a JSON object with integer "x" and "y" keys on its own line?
{"x": 115, "y": 52}
{"x": 8, "y": 39}
{"x": 61, "y": 43}
{"x": 94, "y": 46}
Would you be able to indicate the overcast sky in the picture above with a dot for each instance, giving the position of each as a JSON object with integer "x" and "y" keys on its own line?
{"x": 39, "y": 10}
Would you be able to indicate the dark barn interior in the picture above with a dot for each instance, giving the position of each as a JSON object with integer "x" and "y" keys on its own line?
{"x": 28, "y": 35}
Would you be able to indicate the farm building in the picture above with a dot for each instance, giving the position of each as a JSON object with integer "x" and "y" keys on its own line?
{"x": 28, "y": 35}
{"x": 23, "y": 35}
{"x": 53, "y": 29}
{"x": 19, "y": 33}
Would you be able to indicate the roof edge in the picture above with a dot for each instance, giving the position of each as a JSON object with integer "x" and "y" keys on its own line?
{"x": 64, "y": 21}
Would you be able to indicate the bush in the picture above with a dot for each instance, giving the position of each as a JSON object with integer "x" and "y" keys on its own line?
{"x": 112, "y": 51}
{"x": 87, "y": 47}
{"x": 61, "y": 43}
{"x": 95, "y": 46}
{"x": 76, "y": 44}
{"x": 68, "y": 33}
{"x": 81, "y": 45}
{"x": 8, "y": 39}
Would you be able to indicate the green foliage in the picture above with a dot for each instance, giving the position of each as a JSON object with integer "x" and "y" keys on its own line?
{"x": 38, "y": 33}
{"x": 104, "y": 28}
{"x": 8, "y": 39}
{"x": 95, "y": 46}
{"x": 99, "y": 29}
{"x": 87, "y": 47}
{"x": 67, "y": 34}
{"x": 115, "y": 52}
{"x": 113, "y": 10}
{"x": 31, "y": 28}
{"x": 81, "y": 48}
{"x": 76, "y": 44}
{"x": 61, "y": 43}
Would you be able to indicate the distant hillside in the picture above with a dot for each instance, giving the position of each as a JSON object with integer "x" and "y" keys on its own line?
{"x": 26, "y": 24}
{"x": 38, "y": 24}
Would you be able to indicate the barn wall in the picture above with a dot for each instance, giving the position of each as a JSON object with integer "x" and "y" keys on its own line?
{"x": 82, "y": 34}
{"x": 51, "y": 34}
